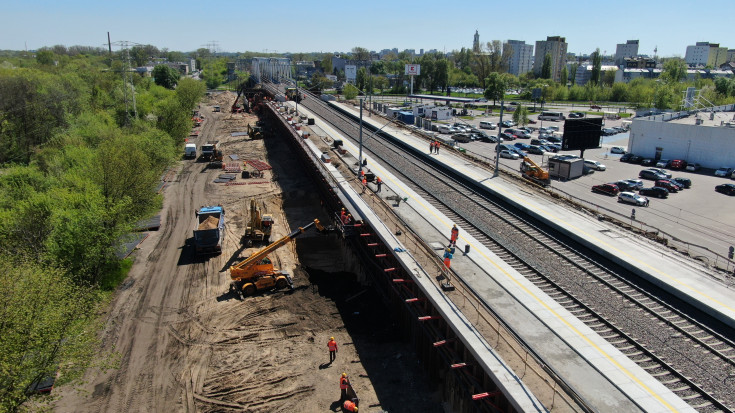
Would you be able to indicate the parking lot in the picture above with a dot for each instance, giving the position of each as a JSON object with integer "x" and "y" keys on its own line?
{"x": 697, "y": 215}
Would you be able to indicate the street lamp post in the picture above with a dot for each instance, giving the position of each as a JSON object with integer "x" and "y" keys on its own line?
{"x": 359, "y": 157}
{"x": 497, "y": 145}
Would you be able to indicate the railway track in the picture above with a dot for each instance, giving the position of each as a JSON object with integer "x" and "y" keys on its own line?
{"x": 695, "y": 362}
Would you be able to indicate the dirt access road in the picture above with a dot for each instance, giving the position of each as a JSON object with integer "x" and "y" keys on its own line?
{"x": 186, "y": 344}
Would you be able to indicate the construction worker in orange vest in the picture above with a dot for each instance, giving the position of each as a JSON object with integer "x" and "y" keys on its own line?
{"x": 379, "y": 183}
{"x": 342, "y": 215}
{"x": 344, "y": 381}
{"x": 350, "y": 406}
{"x": 455, "y": 235}
{"x": 364, "y": 184}
{"x": 448, "y": 257}
{"x": 332, "y": 346}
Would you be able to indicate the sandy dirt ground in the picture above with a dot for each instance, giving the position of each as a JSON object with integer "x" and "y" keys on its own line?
{"x": 186, "y": 344}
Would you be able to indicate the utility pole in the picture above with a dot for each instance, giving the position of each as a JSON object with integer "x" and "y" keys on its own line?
{"x": 359, "y": 157}
{"x": 497, "y": 146}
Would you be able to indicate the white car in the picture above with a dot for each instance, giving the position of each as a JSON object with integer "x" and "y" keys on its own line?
{"x": 637, "y": 183}
{"x": 617, "y": 149}
{"x": 508, "y": 154}
{"x": 595, "y": 165}
{"x": 632, "y": 198}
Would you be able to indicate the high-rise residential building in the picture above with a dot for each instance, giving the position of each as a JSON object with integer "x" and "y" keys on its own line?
{"x": 521, "y": 59}
{"x": 476, "y": 42}
{"x": 627, "y": 49}
{"x": 731, "y": 55}
{"x": 706, "y": 54}
{"x": 556, "y": 46}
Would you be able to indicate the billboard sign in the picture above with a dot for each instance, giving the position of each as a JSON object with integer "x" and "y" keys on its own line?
{"x": 351, "y": 72}
{"x": 412, "y": 69}
{"x": 581, "y": 134}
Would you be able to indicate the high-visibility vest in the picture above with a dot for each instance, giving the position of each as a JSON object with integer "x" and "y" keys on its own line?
{"x": 349, "y": 405}
{"x": 455, "y": 232}
{"x": 343, "y": 381}
{"x": 332, "y": 345}
{"x": 380, "y": 181}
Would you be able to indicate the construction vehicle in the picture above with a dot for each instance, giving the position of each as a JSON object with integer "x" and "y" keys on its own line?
{"x": 533, "y": 172}
{"x": 257, "y": 272}
{"x": 209, "y": 230}
{"x": 293, "y": 94}
{"x": 209, "y": 150}
{"x": 255, "y": 132}
{"x": 260, "y": 226}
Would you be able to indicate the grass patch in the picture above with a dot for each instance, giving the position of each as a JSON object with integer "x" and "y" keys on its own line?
{"x": 116, "y": 274}
{"x": 467, "y": 117}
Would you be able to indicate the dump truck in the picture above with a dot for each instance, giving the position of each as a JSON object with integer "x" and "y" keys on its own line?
{"x": 257, "y": 273}
{"x": 534, "y": 173}
{"x": 209, "y": 230}
{"x": 260, "y": 226}
{"x": 209, "y": 149}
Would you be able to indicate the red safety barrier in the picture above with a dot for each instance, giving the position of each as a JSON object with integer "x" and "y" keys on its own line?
{"x": 458, "y": 365}
{"x": 429, "y": 317}
{"x": 373, "y": 244}
{"x": 381, "y": 255}
{"x": 484, "y": 395}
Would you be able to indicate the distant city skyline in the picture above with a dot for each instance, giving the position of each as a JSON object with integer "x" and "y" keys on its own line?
{"x": 289, "y": 26}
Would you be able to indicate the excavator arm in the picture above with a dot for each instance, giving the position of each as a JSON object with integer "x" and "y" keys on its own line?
{"x": 238, "y": 269}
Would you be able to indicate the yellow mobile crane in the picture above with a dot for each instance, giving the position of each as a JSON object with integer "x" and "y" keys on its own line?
{"x": 257, "y": 271}
{"x": 534, "y": 173}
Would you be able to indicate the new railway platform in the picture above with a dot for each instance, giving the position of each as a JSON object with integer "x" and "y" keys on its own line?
{"x": 604, "y": 377}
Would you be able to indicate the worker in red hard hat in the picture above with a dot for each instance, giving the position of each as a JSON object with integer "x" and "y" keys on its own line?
{"x": 454, "y": 235}
{"x": 332, "y": 346}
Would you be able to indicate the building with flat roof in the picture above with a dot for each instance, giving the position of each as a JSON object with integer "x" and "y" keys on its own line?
{"x": 706, "y": 137}
{"x": 706, "y": 54}
{"x": 627, "y": 49}
{"x": 521, "y": 58}
{"x": 556, "y": 46}
{"x": 584, "y": 73}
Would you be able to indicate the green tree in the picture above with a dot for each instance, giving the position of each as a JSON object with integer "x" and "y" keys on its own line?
{"x": 327, "y": 64}
{"x": 546, "y": 67}
{"x": 189, "y": 93}
{"x": 674, "y": 71}
{"x": 596, "y": 67}
{"x": 520, "y": 115}
{"x": 350, "y": 91}
{"x": 45, "y": 57}
{"x": 563, "y": 76}
{"x": 573, "y": 74}
{"x": 166, "y": 76}
{"x": 361, "y": 79}
{"x": 608, "y": 78}
{"x": 381, "y": 83}
{"x": 360, "y": 54}
{"x": 173, "y": 119}
{"x": 496, "y": 86}
{"x": 43, "y": 329}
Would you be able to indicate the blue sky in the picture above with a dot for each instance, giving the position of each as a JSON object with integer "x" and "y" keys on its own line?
{"x": 321, "y": 26}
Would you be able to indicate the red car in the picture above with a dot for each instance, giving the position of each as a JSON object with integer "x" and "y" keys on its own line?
{"x": 678, "y": 164}
{"x": 608, "y": 189}
{"x": 670, "y": 186}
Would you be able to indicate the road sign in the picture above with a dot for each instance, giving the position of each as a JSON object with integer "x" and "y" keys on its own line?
{"x": 412, "y": 69}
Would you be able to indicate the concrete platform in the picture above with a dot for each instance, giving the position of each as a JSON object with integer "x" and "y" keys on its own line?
{"x": 602, "y": 375}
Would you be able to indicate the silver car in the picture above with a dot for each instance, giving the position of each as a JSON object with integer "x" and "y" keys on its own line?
{"x": 508, "y": 154}
{"x": 632, "y": 198}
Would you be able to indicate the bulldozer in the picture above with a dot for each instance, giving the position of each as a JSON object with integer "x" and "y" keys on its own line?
{"x": 255, "y": 132}
{"x": 534, "y": 173}
{"x": 256, "y": 273}
{"x": 259, "y": 228}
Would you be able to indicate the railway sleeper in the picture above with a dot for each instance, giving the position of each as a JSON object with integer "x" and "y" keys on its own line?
{"x": 691, "y": 397}
{"x": 680, "y": 388}
{"x": 705, "y": 403}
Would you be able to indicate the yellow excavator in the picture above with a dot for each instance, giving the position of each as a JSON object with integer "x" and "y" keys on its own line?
{"x": 257, "y": 272}
{"x": 534, "y": 173}
{"x": 255, "y": 132}
{"x": 260, "y": 226}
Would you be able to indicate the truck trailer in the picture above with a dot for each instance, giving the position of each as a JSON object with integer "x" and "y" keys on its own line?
{"x": 209, "y": 230}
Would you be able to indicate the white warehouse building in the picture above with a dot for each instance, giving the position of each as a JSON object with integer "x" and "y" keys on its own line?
{"x": 705, "y": 138}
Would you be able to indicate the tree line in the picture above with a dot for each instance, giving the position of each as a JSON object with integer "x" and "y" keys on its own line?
{"x": 78, "y": 170}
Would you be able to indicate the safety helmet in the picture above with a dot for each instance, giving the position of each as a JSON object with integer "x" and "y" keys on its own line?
{"x": 454, "y": 226}
{"x": 344, "y": 374}
{"x": 343, "y": 209}
{"x": 355, "y": 409}
{"x": 331, "y": 338}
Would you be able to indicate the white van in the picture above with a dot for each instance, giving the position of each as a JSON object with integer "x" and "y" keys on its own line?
{"x": 190, "y": 151}
{"x": 444, "y": 129}
{"x": 548, "y": 115}
{"x": 487, "y": 125}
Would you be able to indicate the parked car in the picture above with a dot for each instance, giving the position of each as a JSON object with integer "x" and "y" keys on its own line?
{"x": 650, "y": 174}
{"x": 489, "y": 138}
{"x": 595, "y": 165}
{"x": 608, "y": 131}
{"x": 685, "y": 182}
{"x": 552, "y": 147}
{"x": 648, "y": 162}
{"x": 662, "y": 163}
{"x": 536, "y": 149}
{"x": 670, "y": 186}
{"x": 617, "y": 149}
{"x": 624, "y": 185}
{"x": 724, "y": 172}
{"x": 662, "y": 172}
{"x": 637, "y": 183}
{"x": 656, "y": 191}
{"x": 693, "y": 167}
{"x": 678, "y": 164}
{"x": 507, "y": 123}
{"x": 487, "y": 125}
{"x": 728, "y": 189}
{"x": 508, "y": 154}
{"x": 632, "y": 198}
{"x": 507, "y": 136}
{"x": 679, "y": 186}
{"x": 576, "y": 115}
{"x": 608, "y": 189}
{"x": 596, "y": 107}
{"x": 554, "y": 139}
